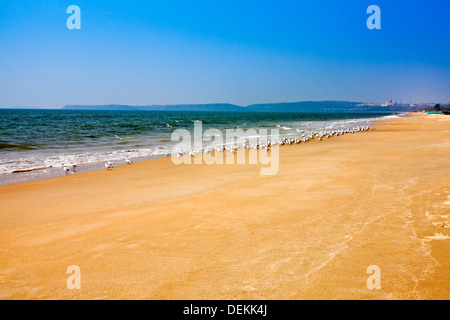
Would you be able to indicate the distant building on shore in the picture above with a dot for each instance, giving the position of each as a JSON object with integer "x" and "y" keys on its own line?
{"x": 388, "y": 103}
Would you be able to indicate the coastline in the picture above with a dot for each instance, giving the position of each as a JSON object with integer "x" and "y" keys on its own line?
{"x": 154, "y": 230}
{"x": 31, "y": 167}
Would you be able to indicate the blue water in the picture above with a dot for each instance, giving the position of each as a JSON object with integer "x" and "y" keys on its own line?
{"x": 31, "y": 139}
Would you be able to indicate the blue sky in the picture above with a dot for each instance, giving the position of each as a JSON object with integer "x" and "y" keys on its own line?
{"x": 241, "y": 52}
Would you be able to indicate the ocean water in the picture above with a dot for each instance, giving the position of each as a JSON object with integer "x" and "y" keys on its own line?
{"x": 39, "y": 140}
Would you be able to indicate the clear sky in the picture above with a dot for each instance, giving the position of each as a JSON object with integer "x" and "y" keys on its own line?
{"x": 241, "y": 52}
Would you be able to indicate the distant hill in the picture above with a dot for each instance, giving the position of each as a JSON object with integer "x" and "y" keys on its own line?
{"x": 305, "y": 106}
{"x": 302, "y": 106}
{"x": 181, "y": 107}
{"x": 325, "y": 106}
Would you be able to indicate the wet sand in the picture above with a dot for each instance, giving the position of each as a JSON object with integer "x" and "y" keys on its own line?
{"x": 153, "y": 230}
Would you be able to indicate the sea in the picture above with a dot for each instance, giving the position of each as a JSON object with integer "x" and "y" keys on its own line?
{"x": 35, "y": 144}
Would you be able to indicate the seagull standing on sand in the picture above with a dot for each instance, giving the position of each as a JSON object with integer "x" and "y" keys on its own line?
{"x": 69, "y": 168}
{"x": 128, "y": 161}
{"x": 109, "y": 165}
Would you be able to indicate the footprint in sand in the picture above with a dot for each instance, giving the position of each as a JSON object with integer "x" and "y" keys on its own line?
{"x": 437, "y": 220}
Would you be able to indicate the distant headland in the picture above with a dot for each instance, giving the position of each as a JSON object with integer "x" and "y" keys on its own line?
{"x": 301, "y": 106}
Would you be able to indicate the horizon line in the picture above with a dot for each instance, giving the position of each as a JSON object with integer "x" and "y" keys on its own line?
{"x": 217, "y": 103}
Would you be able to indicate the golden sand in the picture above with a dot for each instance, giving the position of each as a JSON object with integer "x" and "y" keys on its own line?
{"x": 154, "y": 230}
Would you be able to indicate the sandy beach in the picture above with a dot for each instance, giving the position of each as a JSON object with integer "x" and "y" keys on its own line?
{"x": 153, "y": 230}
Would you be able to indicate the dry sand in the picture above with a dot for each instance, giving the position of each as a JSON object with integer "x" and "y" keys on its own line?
{"x": 154, "y": 230}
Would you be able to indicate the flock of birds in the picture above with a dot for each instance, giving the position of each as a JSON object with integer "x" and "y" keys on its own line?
{"x": 71, "y": 168}
{"x": 320, "y": 135}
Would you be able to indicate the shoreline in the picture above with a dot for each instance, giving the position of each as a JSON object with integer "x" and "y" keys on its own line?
{"x": 154, "y": 230}
{"x": 35, "y": 174}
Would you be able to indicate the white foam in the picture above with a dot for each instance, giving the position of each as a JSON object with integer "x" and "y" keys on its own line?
{"x": 35, "y": 160}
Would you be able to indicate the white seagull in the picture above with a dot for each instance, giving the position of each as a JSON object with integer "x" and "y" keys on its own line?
{"x": 69, "y": 168}
{"x": 109, "y": 165}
